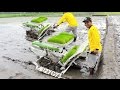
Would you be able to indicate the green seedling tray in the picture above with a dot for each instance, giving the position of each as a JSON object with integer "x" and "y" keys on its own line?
{"x": 39, "y": 19}
{"x": 62, "y": 38}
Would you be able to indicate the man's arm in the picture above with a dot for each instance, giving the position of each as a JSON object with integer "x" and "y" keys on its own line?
{"x": 61, "y": 20}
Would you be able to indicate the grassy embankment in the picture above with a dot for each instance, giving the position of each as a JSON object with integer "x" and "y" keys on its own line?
{"x": 51, "y": 14}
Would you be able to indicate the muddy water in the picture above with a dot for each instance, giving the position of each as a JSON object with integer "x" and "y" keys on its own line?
{"x": 15, "y": 48}
{"x": 15, "y": 54}
{"x": 111, "y": 63}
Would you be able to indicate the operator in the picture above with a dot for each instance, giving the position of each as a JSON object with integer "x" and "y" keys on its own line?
{"x": 94, "y": 38}
{"x": 72, "y": 23}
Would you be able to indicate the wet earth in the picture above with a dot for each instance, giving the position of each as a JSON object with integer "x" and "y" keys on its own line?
{"x": 16, "y": 57}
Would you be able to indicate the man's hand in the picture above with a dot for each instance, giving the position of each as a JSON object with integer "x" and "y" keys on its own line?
{"x": 95, "y": 51}
{"x": 55, "y": 26}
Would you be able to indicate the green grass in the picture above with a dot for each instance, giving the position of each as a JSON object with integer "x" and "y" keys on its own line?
{"x": 95, "y": 13}
{"x": 29, "y": 14}
{"x": 51, "y": 14}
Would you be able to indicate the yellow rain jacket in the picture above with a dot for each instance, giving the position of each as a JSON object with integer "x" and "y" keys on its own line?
{"x": 68, "y": 17}
{"x": 94, "y": 39}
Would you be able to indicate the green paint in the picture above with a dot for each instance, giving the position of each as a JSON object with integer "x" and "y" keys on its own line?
{"x": 43, "y": 45}
{"x": 69, "y": 54}
{"x": 43, "y": 29}
{"x": 31, "y": 25}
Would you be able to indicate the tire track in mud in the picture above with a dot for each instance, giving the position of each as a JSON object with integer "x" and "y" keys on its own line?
{"x": 19, "y": 76}
{"x": 26, "y": 65}
{"x": 22, "y": 63}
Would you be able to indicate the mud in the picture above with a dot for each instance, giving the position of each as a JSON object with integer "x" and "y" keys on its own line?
{"x": 15, "y": 56}
{"x": 111, "y": 68}
{"x": 31, "y": 35}
{"x": 49, "y": 64}
{"x": 18, "y": 61}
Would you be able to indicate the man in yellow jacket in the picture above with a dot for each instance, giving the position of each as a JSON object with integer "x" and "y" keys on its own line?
{"x": 93, "y": 37}
{"x": 72, "y": 23}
